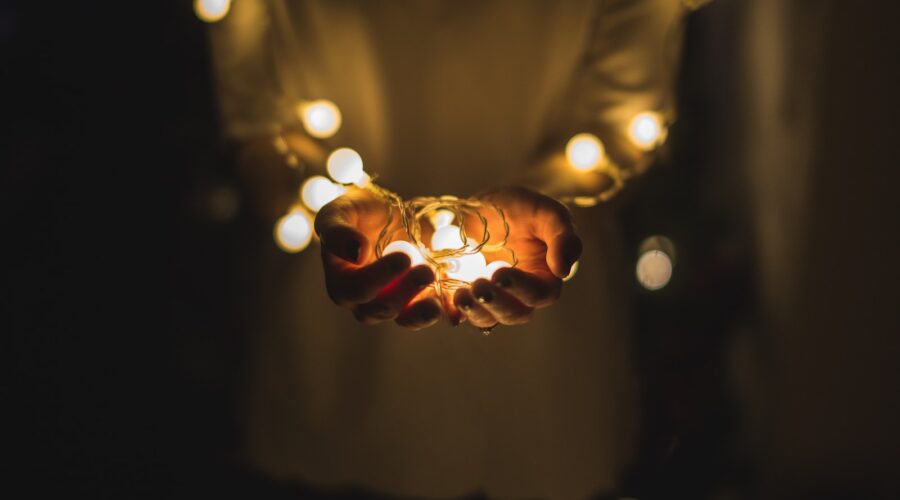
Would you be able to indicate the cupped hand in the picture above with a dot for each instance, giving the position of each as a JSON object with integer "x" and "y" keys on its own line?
{"x": 376, "y": 290}
{"x": 544, "y": 240}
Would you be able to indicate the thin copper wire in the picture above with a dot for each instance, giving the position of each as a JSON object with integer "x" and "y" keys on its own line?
{"x": 411, "y": 214}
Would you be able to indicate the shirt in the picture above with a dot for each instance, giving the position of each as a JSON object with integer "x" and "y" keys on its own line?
{"x": 445, "y": 97}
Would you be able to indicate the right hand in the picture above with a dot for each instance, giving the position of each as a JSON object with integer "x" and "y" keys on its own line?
{"x": 376, "y": 290}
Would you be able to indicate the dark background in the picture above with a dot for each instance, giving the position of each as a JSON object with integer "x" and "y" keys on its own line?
{"x": 126, "y": 244}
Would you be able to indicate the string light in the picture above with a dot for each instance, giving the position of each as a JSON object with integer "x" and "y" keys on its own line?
{"x": 654, "y": 269}
{"x": 467, "y": 268}
{"x": 293, "y": 231}
{"x": 318, "y": 191}
{"x": 364, "y": 180}
{"x": 657, "y": 258}
{"x": 211, "y": 11}
{"x": 456, "y": 257}
{"x": 584, "y": 152}
{"x": 495, "y": 266}
{"x": 399, "y": 246}
{"x": 646, "y": 130}
{"x": 467, "y": 263}
{"x": 321, "y": 118}
{"x": 345, "y": 166}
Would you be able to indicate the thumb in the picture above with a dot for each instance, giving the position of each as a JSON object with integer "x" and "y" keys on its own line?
{"x": 335, "y": 225}
{"x": 562, "y": 252}
{"x": 345, "y": 242}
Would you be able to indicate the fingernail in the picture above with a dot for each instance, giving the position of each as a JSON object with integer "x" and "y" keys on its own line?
{"x": 398, "y": 262}
{"x": 503, "y": 281}
{"x": 483, "y": 293}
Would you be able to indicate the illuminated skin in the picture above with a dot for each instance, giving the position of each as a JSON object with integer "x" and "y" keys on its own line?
{"x": 376, "y": 290}
{"x": 546, "y": 245}
{"x": 387, "y": 289}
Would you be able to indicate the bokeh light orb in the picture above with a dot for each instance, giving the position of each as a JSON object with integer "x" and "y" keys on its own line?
{"x": 293, "y": 232}
{"x": 345, "y": 166}
{"x": 318, "y": 191}
{"x": 584, "y": 152}
{"x": 654, "y": 269}
{"x": 321, "y": 118}
{"x": 646, "y": 130}
{"x": 212, "y": 11}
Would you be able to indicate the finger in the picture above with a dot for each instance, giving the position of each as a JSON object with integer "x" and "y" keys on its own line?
{"x": 395, "y": 296}
{"x": 347, "y": 224}
{"x": 350, "y": 286}
{"x": 336, "y": 226}
{"x": 554, "y": 226}
{"x": 502, "y": 306}
{"x": 454, "y": 315}
{"x": 420, "y": 314}
{"x": 473, "y": 311}
{"x": 533, "y": 289}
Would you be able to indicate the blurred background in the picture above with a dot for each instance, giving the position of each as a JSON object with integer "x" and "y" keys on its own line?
{"x": 768, "y": 365}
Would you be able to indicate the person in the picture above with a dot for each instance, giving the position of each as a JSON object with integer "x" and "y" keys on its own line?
{"x": 443, "y": 98}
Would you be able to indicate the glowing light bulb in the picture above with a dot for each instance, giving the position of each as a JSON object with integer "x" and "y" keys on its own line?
{"x": 415, "y": 256}
{"x": 364, "y": 180}
{"x": 584, "y": 152}
{"x": 645, "y": 130}
{"x": 654, "y": 269}
{"x": 293, "y": 231}
{"x": 318, "y": 191}
{"x": 321, "y": 118}
{"x": 345, "y": 166}
{"x": 442, "y": 218}
{"x": 446, "y": 238}
{"x": 493, "y": 267}
{"x": 572, "y": 271}
{"x": 466, "y": 268}
{"x": 211, "y": 10}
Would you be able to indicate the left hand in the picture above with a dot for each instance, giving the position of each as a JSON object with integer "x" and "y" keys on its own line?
{"x": 545, "y": 243}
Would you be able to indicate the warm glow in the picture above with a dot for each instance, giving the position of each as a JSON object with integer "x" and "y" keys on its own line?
{"x": 293, "y": 232}
{"x": 572, "y": 271}
{"x": 654, "y": 269}
{"x": 493, "y": 267}
{"x": 442, "y": 218}
{"x": 446, "y": 238}
{"x": 584, "y": 152}
{"x": 467, "y": 268}
{"x": 345, "y": 166}
{"x": 321, "y": 118}
{"x": 646, "y": 130}
{"x": 415, "y": 256}
{"x": 318, "y": 191}
{"x": 212, "y": 10}
{"x": 364, "y": 180}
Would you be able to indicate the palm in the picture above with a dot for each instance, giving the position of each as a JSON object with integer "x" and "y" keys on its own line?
{"x": 545, "y": 246}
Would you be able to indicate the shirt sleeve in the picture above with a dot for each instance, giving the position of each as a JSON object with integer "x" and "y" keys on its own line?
{"x": 631, "y": 60}
{"x": 243, "y": 68}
